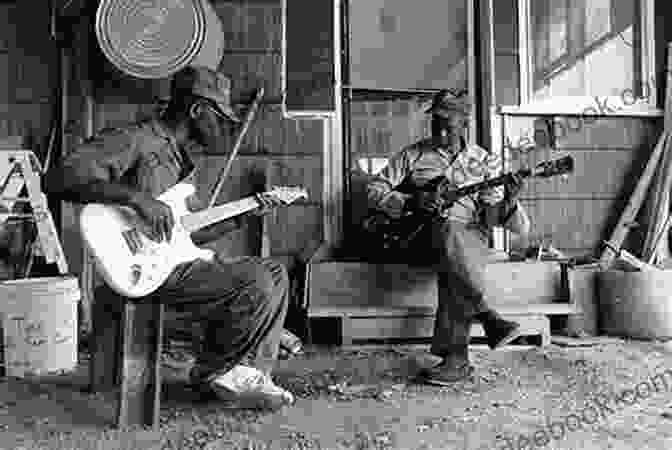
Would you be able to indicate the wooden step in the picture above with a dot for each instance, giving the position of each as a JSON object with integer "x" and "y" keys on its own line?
{"x": 358, "y": 328}
{"x": 548, "y": 309}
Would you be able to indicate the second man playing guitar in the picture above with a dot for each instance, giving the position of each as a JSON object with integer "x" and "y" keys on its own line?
{"x": 455, "y": 245}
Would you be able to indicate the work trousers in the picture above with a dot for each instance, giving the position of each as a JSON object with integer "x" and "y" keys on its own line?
{"x": 458, "y": 252}
{"x": 240, "y": 305}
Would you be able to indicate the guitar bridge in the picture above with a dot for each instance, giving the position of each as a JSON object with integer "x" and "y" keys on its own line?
{"x": 136, "y": 274}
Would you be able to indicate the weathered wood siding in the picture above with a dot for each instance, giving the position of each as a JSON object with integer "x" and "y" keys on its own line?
{"x": 27, "y": 72}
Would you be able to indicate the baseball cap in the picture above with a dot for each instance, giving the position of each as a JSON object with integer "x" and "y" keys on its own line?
{"x": 205, "y": 82}
{"x": 446, "y": 102}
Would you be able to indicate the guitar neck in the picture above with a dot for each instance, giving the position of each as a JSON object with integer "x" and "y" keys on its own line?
{"x": 197, "y": 220}
{"x": 490, "y": 183}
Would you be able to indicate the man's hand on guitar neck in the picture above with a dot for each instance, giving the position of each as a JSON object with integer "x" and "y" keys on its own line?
{"x": 267, "y": 203}
{"x": 425, "y": 202}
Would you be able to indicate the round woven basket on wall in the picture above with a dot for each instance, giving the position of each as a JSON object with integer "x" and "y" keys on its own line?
{"x": 156, "y": 38}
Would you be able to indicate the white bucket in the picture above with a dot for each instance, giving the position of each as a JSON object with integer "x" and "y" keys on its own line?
{"x": 39, "y": 322}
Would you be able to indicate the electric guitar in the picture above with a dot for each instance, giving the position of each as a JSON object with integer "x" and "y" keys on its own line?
{"x": 133, "y": 264}
{"x": 394, "y": 234}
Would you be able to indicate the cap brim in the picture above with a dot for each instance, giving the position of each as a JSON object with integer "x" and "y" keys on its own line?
{"x": 228, "y": 112}
{"x": 445, "y": 112}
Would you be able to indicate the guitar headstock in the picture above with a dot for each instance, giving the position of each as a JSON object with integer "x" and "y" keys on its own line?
{"x": 286, "y": 194}
{"x": 555, "y": 167}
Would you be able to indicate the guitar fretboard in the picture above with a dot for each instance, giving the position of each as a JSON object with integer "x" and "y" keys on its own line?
{"x": 197, "y": 220}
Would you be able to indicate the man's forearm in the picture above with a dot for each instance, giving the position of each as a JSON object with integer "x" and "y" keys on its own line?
{"x": 216, "y": 230}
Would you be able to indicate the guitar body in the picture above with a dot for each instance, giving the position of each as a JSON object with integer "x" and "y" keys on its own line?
{"x": 137, "y": 274}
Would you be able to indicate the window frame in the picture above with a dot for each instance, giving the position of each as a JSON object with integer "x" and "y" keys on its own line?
{"x": 586, "y": 105}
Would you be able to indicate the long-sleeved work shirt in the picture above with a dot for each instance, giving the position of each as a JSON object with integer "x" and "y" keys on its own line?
{"x": 143, "y": 156}
{"x": 423, "y": 161}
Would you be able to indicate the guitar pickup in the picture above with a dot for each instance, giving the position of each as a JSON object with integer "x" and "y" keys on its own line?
{"x": 133, "y": 240}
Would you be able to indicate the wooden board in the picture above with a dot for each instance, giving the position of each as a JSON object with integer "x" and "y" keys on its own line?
{"x": 356, "y": 286}
{"x": 525, "y": 283}
{"x": 142, "y": 342}
{"x": 583, "y": 294}
{"x": 361, "y": 328}
{"x": 353, "y": 284}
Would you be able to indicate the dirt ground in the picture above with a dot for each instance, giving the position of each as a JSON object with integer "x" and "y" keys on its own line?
{"x": 554, "y": 397}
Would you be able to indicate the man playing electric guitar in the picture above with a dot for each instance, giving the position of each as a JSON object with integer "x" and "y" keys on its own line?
{"x": 242, "y": 303}
{"x": 454, "y": 241}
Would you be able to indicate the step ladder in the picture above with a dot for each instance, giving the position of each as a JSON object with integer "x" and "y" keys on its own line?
{"x": 19, "y": 169}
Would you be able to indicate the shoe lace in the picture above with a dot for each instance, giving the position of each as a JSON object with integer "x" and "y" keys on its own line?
{"x": 256, "y": 380}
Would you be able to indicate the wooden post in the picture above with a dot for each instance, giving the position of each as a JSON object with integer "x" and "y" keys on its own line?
{"x": 142, "y": 341}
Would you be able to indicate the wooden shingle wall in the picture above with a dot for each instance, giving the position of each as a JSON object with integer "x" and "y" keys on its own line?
{"x": 27, "y": 72}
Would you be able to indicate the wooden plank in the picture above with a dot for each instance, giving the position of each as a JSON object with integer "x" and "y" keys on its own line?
{"x": 428, "y": 311}
{"x": 583, "y": 294}
{"x": 620, "y": 232}
{"x": 397, "y": 288}
{"x": 524, "y": 283}
{"x": 346, "y": 284}
{"x": 105, "y": 341}
{"x": 423, "y": 327}
{"x": 140, "y": 393}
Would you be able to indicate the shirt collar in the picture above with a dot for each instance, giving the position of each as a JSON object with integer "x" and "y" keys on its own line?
{"x": 450, "y": 154}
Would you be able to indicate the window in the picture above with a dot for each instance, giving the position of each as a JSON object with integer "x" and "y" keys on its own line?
{"x": 592, "y": 56}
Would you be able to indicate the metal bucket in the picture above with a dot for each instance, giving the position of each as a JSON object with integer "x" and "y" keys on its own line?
{"x": 636, "y": 304}
{"x": 155, "y": 39}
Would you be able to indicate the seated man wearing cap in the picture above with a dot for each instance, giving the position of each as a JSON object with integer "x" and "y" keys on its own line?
{"x": 456, "y": 244}
{"x": 241, "y": 302}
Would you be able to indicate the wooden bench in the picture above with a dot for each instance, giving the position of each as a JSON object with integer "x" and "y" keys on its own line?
{"x": 395, "y": 301}
{"x": 126, "y": 346}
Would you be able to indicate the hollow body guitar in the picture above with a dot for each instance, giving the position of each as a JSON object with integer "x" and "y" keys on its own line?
{"x": 389, "y": 234}
{"x": 133, "y": 264}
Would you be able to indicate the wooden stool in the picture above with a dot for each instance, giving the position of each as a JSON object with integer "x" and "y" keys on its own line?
{"x": 126, "y": 346}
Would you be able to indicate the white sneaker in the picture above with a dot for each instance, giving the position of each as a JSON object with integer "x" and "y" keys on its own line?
{"x": 249, "y": 388}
